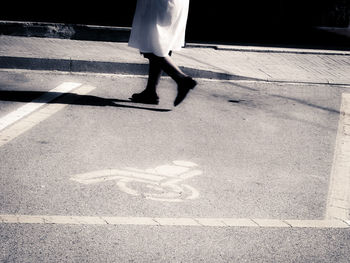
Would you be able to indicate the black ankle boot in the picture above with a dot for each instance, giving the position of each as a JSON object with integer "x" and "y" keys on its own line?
{"x": 183, "y": 88}
{"x": 146, "y": 97}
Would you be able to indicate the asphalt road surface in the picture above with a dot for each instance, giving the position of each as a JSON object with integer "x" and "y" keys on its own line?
{"x": 234, "y": 174}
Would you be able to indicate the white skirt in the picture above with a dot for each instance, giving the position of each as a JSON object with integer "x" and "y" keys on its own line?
{"x": 159, "y": 26}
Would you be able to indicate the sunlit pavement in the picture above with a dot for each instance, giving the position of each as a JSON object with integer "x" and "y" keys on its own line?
{"x": 241, "y": 171}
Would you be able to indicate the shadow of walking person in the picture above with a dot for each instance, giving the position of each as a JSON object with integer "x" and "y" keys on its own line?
{"x": 74, "y": 99}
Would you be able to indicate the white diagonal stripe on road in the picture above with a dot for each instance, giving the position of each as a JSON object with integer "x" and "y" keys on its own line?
{"x": 36, "y": 104}
{"x": 32, "y": 113}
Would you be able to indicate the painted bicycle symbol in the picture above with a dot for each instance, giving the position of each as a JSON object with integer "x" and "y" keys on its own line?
{"x": 163, "y": 183}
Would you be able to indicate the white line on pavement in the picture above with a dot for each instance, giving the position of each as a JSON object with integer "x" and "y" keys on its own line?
{"x": 36, "y": 104}
{"x": 162, "y": 221}
{"x": 32, "y": 113}
{"x": 338, "y": 203}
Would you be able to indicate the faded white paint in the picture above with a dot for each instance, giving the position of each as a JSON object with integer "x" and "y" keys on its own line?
{"x": 168, "y": 221}
{"x": 36, "y": 104}
{"x": 338, "y": 203}
{"x": 162, "y": 183}
{"x": 31, "y": 114}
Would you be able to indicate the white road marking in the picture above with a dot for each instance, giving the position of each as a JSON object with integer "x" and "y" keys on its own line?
{"x": 162, "y": 183}
{"x": 32, "y": 113}
{"x": 166, "y": 221}
{"x": 334, "y": 223}
{"x": 338, "y": 202}
{"x": 271, "y": 223}
{"x": 36, "y": 104}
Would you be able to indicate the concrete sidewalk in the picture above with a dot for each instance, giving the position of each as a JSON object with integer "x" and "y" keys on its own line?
{"x": 201, "y": 61}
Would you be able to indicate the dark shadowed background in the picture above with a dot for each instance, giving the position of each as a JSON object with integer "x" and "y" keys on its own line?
{"x": 280, "y": 22}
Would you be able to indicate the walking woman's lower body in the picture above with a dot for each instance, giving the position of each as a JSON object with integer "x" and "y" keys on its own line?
{"x": 156, "y": 66}
{"x": 158, "y": 29}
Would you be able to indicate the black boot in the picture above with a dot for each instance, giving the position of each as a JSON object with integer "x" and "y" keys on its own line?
{"x": 146, "y": 97}
{"x": 183, "y": 87}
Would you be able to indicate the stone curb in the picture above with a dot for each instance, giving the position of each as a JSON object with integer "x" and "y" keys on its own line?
{"x": 259, "y": 49}
{"x": 69, "y": 65}
{"x": 105, "y": 67}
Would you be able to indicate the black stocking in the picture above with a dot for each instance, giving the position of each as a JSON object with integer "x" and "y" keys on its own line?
{"x": 154, "y": 74}
{"x": 167, "y": 65}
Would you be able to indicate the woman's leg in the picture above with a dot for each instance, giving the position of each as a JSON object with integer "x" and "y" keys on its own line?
{"x": 149, "y": 95}
{"x": 154, "y": 74}
{"x": 156, "y": 64}
{"x": 184, "y": 82}
{"x": 170, "y": 68}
